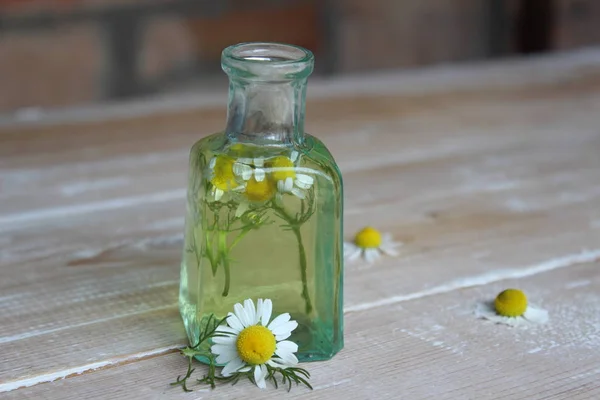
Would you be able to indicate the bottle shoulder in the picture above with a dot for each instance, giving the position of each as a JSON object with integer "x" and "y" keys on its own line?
{"x": 211, "y": 142}
{"x": 317, "y": 151}
{"x": 314, "y": 153}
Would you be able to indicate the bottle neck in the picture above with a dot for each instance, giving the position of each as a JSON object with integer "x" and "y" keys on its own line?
{"x": 266, "y": 112}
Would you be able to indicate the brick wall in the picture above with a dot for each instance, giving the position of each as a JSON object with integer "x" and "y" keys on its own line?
{"x": 55, "y": 68}
{"x": 70, "y": 65}
{"x": 577, "y": 23}
{"x": 388, "y": 34}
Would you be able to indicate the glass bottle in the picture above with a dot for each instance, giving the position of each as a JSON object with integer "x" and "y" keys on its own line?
{"x": 264, "y": 206}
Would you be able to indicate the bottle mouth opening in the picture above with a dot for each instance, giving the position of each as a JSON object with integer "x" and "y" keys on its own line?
{"x": 267, "y": 61}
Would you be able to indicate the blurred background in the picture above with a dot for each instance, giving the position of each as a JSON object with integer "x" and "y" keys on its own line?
{"x": 61, "y": 53}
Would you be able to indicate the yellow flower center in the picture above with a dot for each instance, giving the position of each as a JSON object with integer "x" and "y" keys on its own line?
{"x": 259, "y": 191}
{"x": 256, "y": 344}
{"x": 223, "y": 176}
{"x": 284, "y": 168}
{"x": 368, "y": 238}
{"x": 511, "y": 303}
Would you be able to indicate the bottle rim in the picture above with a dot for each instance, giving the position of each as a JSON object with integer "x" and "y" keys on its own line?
{"x": 267, "y": 61}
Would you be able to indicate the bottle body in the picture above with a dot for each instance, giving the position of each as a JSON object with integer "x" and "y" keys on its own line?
{"x": 265, "y": 221}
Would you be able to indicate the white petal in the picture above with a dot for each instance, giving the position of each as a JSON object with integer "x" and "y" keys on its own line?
{"x": 281, "y": 186}
{"x": 219, "y": 349}
{"x": 211, "y": 196}
{"x": 389, "y": 250}
{"x": 284, "y": 329}
{"x": 243, "y": 170}
{"x": 232, "y": 367}
{"x": 279, "y": 199}
{"x": 250, "y": 311}
{"x": 239, "y": 311}
{"x": 294, "y": 155}
{"x": 260, "y": 373}
{"x": 247, "y": 174}
{"x": 287, "y": 358}
{"x": 227, "y": 354}
{"x": 305, "y": 179}
{"x": 285, "y": 335}
{"x": 371, "y": 255}
{"x": 259, "y": 162}
{"x": 224, "y": 359}
{"x": 287, "y": 345}
{"x": 212, "y": 163}
{"x": 245, "y": 369}
{"x": 298, "y": 193}
{"x": 224, "y": 339}
{"x": 355, "y": 255}
{"x": 487, "y": 311}
{"x": 280, "y": 320}
{"x": 349, "y": 247}
{"x": 227, "y": 329}
{"x": 351, "y": 251}
{"x": 276, "y": 363}
{"x": 389, "y": 242}
{"x": 245, "y": 160}
{"x": 266, "y": 312}
{"x": 242, "y": 208}
{"x": 536, "y": 315}
{"x": 234, "y": 322}
{"x": 259, "y": 308}
{"x": 289, "y": 184}
{"x": 484, "y": 309}
{"x": 259, "y": 174}
{"x": 238, "y": 167}
{"x": 218, "y": 194}
{"x": 302, "y": 185}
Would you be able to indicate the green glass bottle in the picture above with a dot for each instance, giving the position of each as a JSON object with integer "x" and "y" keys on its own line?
{"x": 264, "y": 206}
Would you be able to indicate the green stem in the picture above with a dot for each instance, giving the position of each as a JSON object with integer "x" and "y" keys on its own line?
{"x": 213, "y": 263}
{"x": 208, "y": 243}
{"x": 303, "y": 268}
{"x": 225, "y": 259}
{"x": 239, "y": 237}
{"x": 301, "y": 252}
{"x": 195, "y": 248}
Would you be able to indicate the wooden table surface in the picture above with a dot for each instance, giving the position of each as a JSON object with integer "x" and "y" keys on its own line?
{"x": 489, "y": 173}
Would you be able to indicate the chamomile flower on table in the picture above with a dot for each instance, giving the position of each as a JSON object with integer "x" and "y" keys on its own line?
{"x": 370, "y": 244}
{"x": 253, "y": 343}
{"x": 248, "y": 344}
{"x": 512, "y": 308}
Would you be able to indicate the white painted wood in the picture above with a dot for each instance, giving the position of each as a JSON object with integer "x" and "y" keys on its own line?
{"x": 483, "y": 180}
{"x": 431, "y": 347}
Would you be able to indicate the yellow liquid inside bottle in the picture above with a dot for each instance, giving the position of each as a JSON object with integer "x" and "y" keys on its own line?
{"x": 250, "y": 239}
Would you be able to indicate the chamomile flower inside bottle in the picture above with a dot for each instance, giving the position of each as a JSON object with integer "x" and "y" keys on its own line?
{"x": 264, "y": 206}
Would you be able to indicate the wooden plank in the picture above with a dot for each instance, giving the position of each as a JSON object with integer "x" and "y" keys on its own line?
{"x": 481, "y": 185}
{"x": 432, "y": 346}
{"x": 116, "y": 151}
{"x": 139, "y": 281}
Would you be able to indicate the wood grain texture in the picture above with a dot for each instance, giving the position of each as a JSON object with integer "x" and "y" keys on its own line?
{"x": 430, "y": 347}
{"x": 488, "y": 181}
